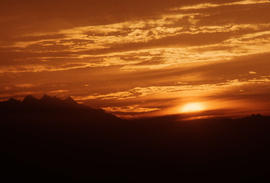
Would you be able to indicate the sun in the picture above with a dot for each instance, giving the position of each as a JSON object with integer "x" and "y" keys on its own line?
{"x": 192, "y": 107}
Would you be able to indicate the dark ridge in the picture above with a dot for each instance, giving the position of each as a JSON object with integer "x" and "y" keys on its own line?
{"x": 48, "y": 98}
{"x": 13, "y": 101}
{"x": 29, "y": 99}
{"x": 53, "y": 102}
{"x": 52, "y": 139}
{"x": 70, "y": 100}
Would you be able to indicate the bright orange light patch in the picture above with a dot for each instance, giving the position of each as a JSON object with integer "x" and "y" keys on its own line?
{"x": 192, "y": 107}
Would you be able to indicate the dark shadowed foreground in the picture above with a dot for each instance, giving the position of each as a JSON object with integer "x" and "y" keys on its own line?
{"x": 52, "y": 139}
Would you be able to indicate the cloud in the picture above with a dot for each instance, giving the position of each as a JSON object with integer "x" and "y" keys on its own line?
{"x": 235, "y": 91}
{"x": 214, "y": 5}
{"x": 130, "y": 53}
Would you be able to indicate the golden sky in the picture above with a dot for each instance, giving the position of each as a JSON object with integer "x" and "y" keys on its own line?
{"x": 137, "y": 57}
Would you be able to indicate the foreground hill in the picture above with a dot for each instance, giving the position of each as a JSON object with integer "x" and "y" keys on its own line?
{"x": 51, "y": 139}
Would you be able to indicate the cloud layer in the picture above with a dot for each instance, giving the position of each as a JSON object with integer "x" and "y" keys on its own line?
{"x": 136, "y": 56}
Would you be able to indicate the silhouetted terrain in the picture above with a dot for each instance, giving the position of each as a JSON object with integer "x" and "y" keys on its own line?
{"x": 50, "y": 139}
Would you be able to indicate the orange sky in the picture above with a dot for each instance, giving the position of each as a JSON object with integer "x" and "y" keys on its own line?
{"x": 135, "y": 57}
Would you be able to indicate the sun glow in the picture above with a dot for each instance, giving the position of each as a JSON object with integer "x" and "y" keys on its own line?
{"x": 192, "y": 107}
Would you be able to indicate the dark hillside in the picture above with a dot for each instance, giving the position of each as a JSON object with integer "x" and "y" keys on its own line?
{"x": 48, "y": 139}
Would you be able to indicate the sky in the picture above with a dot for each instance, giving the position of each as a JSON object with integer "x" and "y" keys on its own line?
{"x": 139, "y": 58}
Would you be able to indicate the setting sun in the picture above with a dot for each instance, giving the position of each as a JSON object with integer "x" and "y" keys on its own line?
{"x": 192, "y": 107}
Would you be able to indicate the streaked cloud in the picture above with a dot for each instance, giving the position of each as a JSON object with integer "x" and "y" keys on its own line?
{"x": 214, "y": 5}
{"x": 132, "y": 53}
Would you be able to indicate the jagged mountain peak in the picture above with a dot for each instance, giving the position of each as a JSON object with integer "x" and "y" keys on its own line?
{"x": 70, "y": 100}
{"x": 51, "y": 106}
{"x": 29, "y": 99}
{"x": 13, "y": 101}
{"x": 47, "y": 98}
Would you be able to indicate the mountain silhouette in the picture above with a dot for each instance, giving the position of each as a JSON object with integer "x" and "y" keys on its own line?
{"x": 12, "y": 101}
{"x": 58, "y": 139}
{"x": 30, "y": 100}
{"x": 69, "y": 100}
{"x": 48, "y": 101}
{"x": 32, "y": 107}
